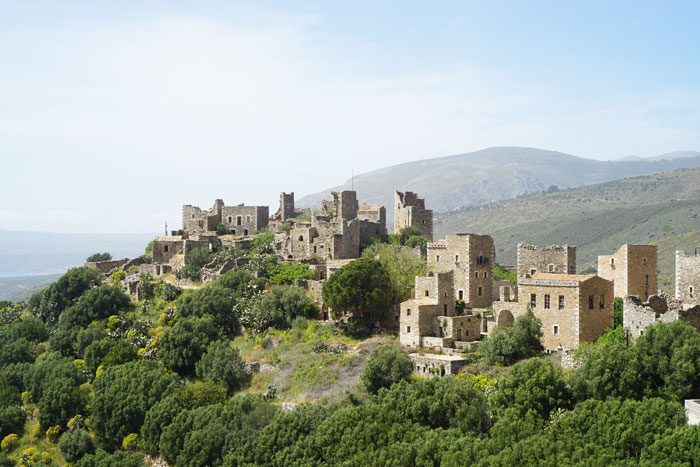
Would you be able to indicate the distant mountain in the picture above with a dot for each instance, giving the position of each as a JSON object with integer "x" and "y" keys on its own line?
{"x": 495, "y": 174}
{"x": 42, "y": 253}
{"x": 662, "y": 209}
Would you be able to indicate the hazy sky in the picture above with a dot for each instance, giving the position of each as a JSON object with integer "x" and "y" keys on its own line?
{"x": 115, "y": 113}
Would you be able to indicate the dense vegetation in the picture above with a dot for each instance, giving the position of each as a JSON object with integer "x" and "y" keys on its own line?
{"x": 90, "y": 378}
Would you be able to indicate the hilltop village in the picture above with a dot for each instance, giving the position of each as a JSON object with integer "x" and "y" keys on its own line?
{"x": 458, "y": 301}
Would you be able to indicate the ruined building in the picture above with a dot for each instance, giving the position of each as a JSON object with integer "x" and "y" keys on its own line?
{"x": 237, "y": 220}
{"x": 334, "y": 233}
{"x": 632, "y": 269}
{"x": 572, "y": 308}
{"x": 471, "y": 257}
{"x": 411, "y": 212}
{"x": 555, "y": 259}
{"x": 638, "y": 314}
{"x": 429, "y": 319}
{"x": 688, "y": 278}
{"x": 169, "y": 251}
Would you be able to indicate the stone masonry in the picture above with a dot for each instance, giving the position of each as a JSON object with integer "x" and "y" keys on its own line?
{"x": 688, "y": 278}
{"x": 471, "y": 257}
{"x": 411, "y": 212}
{"x": 238, "y": 220}
{"x": 429, "y": 319}
{"x": 555, "y": 259}
{"x": 638, "y": 314}
{"x": 632, "y": 269}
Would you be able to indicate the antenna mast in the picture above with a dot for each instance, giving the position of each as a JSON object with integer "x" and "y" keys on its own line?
{"x": 166, "y": 228}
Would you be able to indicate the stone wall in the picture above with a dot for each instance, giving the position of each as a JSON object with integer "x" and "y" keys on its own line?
{"x": 692, "y": 411}
{"x": 245, "y": 220}
{"x": 105, "y": 267}
{"x": 431, "y": 365}
{"x": 552, "y": 259}
{"x": 471, "y": 257}
{"x": 688, "y": 278}
{"x": 632, "y": 269}
{"x": 417, "y": 317}
{"x": 410, "y": 212}
{"x": 637, "y": 315}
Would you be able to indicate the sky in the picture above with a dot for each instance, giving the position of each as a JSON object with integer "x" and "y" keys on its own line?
{"x": 114, "y": 114}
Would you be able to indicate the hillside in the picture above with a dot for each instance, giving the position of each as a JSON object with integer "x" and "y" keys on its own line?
{"x": 496, "y": 174}
{"x": 661, "y": 208}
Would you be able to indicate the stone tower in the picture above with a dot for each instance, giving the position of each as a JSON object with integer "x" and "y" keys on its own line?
{"x": 286, "y": 210}
{"x": 411, "y": 212}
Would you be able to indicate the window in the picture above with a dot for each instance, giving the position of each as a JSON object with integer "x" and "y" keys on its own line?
{"x": 572, "y": 268}
{"x": 301, "y": 238}
{"x": 408, "y": 312}
{"x": 456, "y": 258}
{"x": 437, "y": 258}
{"x": 408, "y": 328}
{"x": 245, "y": 232}
{"x": 533, "y": 300}
{"x": 644, "y": 261}
{"x": 546, "y": 302}
{"x": 445, "y": 294}
{"x": 460, "y": 294}
{"x": 230, "y": 219}
{"x": 555, "y": 329}
{"x": 533, "y": 271}
{"x": 165, "y": 250}
{"x": 486, "y": 275}
{"x": 612, "y": 261}
{"x": 602, "y": 302}
{"x": 239, "y": 220}
{"x": 444, "y": 309}
{"x": 247, "y": 219}
{"x": 690, "y": 290}
{"x": 233, "y": 231}
{"x": 314, "y": 248}
{"x": 476, "y": 274}
{"x": 561, "y": 302}
{"x": 192, "y": 216}
{"x": 590, "y": 302}
{"x": 478, "y": 291}
{"x": 481, "y": 259}
{"x": 427, "y": 294}
{"x": 550, "y": 268}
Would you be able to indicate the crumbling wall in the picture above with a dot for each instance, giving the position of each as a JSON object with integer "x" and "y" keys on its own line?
{"x": 410, "y": 212}
{"x": 637, "y": 315}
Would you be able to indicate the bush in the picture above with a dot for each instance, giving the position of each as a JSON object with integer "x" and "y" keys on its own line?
{"x": 183, "y": 344}
{"x": 279, "y": 307}
{"x": 222, "y": 364}
{"x": 75, "y": 444}
{"x": 289, "y": 272}
{"x": 95, "y": 257}
{"x": 50, "y": 302}
{"x": 11, "y": 420}
{"x": 194, "y": 262}
{"x": 386, "y": 365}
{"x": 9, "y": 442}
{"x": 508, "y": 344}
{"x": 168, "y": 291}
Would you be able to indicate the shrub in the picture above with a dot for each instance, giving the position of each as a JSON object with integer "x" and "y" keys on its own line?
{"x": 95, "y": 257}
{"x": 183, "y": 344}
{"x": 508, "y": 344}
{"x": 11, "y": 420}
{"x": 223, "y": 365}
{"x": 386, "y": 365}
{"x": 53, "y": 432}
{"x": 130, "y": 442}
{"x": 9, "y": 442}
{"x": 75, "y": 444}
{"x": 279, "y": 307}
{"x": 168, "y": 291}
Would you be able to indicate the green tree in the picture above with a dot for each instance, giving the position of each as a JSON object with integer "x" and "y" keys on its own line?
{"x": 678, "y": 447}
{"x": 215, "y": 301}
{"x": 386, "y": 365}
{"x": 183, "y": 344}
{"x": 533, "y": 385}
{"x": 50, "y": 302}
{"x": 97, "y": 303}
{"x": 95, "y": 257}
{"x": 508, "y": 344}
{"x": 60, "y": 401}
{"x": 221, "y": 229}
{"x": 262, "y": 244}
{"x": 75, "y": 444}
{"x": 11, "y": 420}
{"x": 502, "y": 274}
{"x": 359, "y": 291}
{"x": 402, "y": 265}
{"x": 222, "y": 364}
{"x": 195, "y": 260}
{"x": 279, "y": 307}
{"x": 103, "y": 458}
{"x": 617, "y": 307}
{"x": 410, "y": 237}
{"x": 122, "y": 396}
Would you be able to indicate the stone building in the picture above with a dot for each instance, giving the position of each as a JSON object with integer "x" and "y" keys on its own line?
{"x": 638, "y": 314}
{"x": 169, "y": 251}
{"x": 433, "y": 365}
{"x": 238, "y": 220}
{"x": 688, "y": 278}
{"x": 632, "y": 270}
{"x": 411, "y": 212}
{"x": 555, "y": 259}
{"x": 429, "y": 319}
{"x": 572, "y": 308}
{"x": 471, "y": 257}
{"x": 334, "y": 233}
